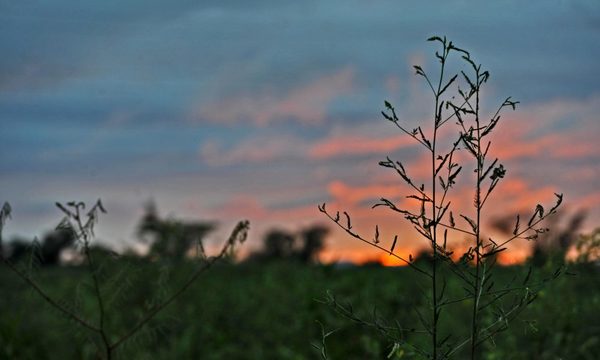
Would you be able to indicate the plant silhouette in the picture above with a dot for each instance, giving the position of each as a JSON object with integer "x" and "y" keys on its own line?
{"x": 456, "y": 99}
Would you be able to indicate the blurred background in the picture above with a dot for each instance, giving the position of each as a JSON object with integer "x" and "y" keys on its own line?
{"x": 215, "y": 112}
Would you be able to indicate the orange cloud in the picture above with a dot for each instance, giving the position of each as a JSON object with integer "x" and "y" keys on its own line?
{"x": 344, "y": 193}
{"x": 251, "y": 208}
{"x": 307, "y": 104}
{"x": 357, "y": 145}
{"x": 519, "y": 147}
{"x": 576, "y": 150}
{"x": 517, "y": 133}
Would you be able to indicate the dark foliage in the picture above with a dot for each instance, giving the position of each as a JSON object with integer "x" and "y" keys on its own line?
{"x": 303, "y": 247}
{"x": 172, "y": 238}
{"x": 47, "y": 253}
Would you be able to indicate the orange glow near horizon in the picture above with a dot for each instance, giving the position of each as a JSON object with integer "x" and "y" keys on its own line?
{"x": 513, "y": 256}
{"x": 388, "y": 260}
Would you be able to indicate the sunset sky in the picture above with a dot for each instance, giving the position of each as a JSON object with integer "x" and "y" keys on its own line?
{"x": 262, "y": 110}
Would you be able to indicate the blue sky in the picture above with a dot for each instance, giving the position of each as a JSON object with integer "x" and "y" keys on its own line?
{"x": 220, "y": 111}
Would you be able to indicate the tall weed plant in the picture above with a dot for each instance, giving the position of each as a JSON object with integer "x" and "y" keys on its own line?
{"x": 456, "y": 100}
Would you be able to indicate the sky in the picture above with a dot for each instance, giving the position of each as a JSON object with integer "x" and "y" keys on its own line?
{"x": 230, "y": 110}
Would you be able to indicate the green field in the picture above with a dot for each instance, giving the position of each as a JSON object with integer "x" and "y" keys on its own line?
{"x": 271, "y": 311}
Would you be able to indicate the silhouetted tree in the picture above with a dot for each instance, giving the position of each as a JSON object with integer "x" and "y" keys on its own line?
{"x": 53, "y": 244}
{"x": 313, "y": 243}
{"x": 554, "y": 245}
{"x": 171, "y": 238}
{"x": 47, "y": 253}
{"x": 16, "y": 249}
{"x": 279, "y": 244}
{"x": 303, "y": 247}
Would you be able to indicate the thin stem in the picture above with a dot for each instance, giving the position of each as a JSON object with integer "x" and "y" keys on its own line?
{"x": 409, "y": 134}
{"x": 93, "y": 272}
{"x": 478, "y": 281}
{"x": 434, "y": 280}
{"x": 456, "y": 229}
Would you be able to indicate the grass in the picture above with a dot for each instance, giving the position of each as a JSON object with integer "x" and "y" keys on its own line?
{"x": 269, "y": 312}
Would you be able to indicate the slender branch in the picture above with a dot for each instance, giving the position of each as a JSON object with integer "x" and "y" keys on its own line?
{"x": 450, "y": 227}
{"x": 238, "y": 232}
{"x": 409, "y": 133}
{"x": 528, "y": 228}
{"x": 478, "y": 282}
{"x": 69, "y": 314}
{"x": 449, "y": 117}
{"x": 356, "y": 236}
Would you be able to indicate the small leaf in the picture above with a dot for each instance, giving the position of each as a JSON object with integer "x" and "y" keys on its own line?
{"x": 540, "y": 209}
{"x": 393, "y": 244}
{"x": 471, "y": 222}
{"x": 443, "y": 161}
{"x": 452, "y": 176}
{"x": 427, "y": 143}
{"x": 448, "y": 84}
{"x": 487, "y": 171}
{"x": 349, "y": 224}
{"x": 419, "y": 70}
{"x": 539, "y": 213}
{"x": 471, "y": 84}
{"x": 490, "y": 126}
{"x": 101, "y": 206}
{"x": 493, "y": 252}
{"x": 558, "y": 202}
{"x": 64, "y": 209}
{"x": 516, "y": 230}
{"x": 387, "y": 116}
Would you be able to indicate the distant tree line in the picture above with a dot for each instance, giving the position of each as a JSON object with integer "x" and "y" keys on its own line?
{"x": 46, "y": 252}
{"x": 171, "y": 239}
{"x": 303, "y": 246}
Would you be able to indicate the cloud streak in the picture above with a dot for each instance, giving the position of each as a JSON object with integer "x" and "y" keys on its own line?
{"x": 306, "y": 104}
